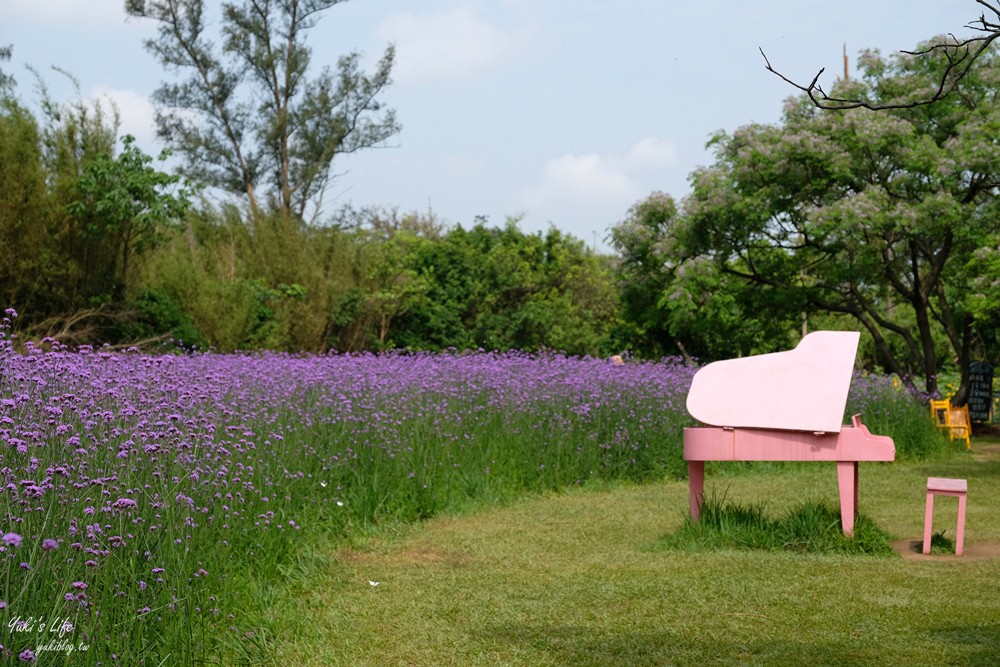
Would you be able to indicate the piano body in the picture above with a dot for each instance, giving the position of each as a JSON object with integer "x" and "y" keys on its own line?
{"x": 784, "y": 406}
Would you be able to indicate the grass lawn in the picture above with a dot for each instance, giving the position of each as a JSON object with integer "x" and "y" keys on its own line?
{"x": 578, "y": 578}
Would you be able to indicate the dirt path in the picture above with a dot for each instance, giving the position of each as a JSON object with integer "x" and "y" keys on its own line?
{"x": 986, "y": 452}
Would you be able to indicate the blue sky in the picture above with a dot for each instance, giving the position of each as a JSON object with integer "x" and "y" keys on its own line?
{"x": 565, "y": 112}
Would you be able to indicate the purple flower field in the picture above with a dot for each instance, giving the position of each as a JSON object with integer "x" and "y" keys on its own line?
{"x": 148, "y": 501}
{"x": 146, "y": 498}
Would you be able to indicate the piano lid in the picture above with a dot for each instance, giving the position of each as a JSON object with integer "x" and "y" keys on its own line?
{"x": 804, "y": 389}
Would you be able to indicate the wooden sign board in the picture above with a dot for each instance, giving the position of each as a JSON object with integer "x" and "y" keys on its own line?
{"x": 980, "y": 390}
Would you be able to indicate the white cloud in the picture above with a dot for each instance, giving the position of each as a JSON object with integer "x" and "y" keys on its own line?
{"x": 589, "y": 177}
{"x": 136, "y": 112}
{"x": 579, "y": 194}
{"x": 585, "y": 194}
{"x": 651, "y": 153}
{"x": 87, "y": 12}
{"x": 601, "y": 179}
{"x": 452, "y": 45}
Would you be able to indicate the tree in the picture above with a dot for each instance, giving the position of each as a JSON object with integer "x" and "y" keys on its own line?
{"x": 644, "y": 273}
{"x": 501, "y": 289}
{"x": 956, "y": 59}
{"x": 126, "y": 202}
{"x": 24, "y": 210}
{"x": 6, "y": 80}
{"x": 52, "y": 269}
{"x": 72, "y": 216}
{"x": 870, "y": 215}
{"x": 673, "y": 303}
{"x": 246, "y": 116}
{"x": 74, "y": 134}
{"x": 389, "y": 286}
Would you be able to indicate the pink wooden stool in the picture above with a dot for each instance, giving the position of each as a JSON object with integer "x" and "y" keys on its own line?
{"x": 946, "y": 487}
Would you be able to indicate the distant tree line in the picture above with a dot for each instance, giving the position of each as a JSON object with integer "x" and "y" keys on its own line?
{"x": 380, "y": 280}
{"x": 101, "y": 246}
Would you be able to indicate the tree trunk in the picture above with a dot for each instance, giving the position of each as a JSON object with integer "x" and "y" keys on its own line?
{"x": 961, "y": 396}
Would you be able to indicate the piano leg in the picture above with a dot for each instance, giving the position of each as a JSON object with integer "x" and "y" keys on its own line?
{"x": 696, "y": 487}
{"x": 847, "y": 482}
{"x": 857, "y": 507}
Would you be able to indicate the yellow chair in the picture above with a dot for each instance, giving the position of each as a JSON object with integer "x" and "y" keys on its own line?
{"x": 954, "y": 420}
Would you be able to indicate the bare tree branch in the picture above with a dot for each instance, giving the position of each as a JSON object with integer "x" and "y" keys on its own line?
{"x": 958, "y": 55}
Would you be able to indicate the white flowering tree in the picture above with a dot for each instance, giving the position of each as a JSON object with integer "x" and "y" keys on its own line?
{"x": 871, "y": 215}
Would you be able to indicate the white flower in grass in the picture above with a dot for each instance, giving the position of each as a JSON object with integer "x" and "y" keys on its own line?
{"x": 373, "y": 583}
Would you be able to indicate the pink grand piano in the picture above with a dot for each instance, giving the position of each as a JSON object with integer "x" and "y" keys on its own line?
{"x": 785, "y": 406}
